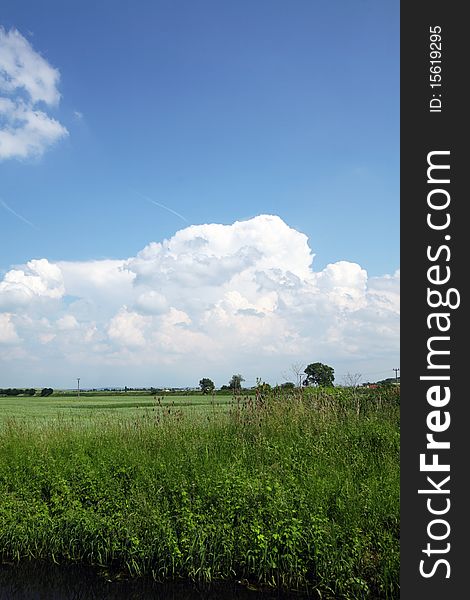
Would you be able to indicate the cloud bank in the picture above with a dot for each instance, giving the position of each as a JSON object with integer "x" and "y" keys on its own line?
{"x": 28, "y": 86}
{"x": 211, "y": 301}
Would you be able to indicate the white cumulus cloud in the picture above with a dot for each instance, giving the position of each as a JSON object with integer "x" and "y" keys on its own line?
{"x": 209, "y": 301}
{"x": 38, "y": 279}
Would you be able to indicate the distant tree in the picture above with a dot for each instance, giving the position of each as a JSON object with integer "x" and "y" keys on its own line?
{"x": 46, "y": 391}
{"x": 16, "y": 392}
{"x": 388, "y": 381}
{"x": 319, "y": 374}
{"x": 30, "y": 392}
{"x": 207, "y": 385}
{"x": 235, "y": 382}
{"x": 296, "y": 369}
{"x": 352, "y": 379}
{"x": 288, "y": 385}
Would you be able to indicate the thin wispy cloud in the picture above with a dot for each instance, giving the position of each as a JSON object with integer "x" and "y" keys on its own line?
{"x": 160, "y": 205}
{"x": 17, "y": 215}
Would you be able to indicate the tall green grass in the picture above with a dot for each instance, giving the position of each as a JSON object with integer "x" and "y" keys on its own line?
{"x": 296, "y": 490}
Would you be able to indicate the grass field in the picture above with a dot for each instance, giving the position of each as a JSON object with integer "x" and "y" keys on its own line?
{"x": 123, "y": 405}
{"x": 297, "y": 490}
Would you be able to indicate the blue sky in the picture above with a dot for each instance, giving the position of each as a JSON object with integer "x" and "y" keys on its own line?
{"x": 183, "y": 113}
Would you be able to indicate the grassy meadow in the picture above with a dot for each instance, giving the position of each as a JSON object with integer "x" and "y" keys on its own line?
{"x": 297, "y": 490}
{"x": 94, "y": 406}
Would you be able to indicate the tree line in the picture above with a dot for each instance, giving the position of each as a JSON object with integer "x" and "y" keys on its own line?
{"x": 25, "y": 392}
{"x": 316, "y": 374}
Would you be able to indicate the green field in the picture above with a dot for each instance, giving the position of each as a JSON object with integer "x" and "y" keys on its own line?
{"x": 295, "y": 490}
{"x": 66, "y": 406}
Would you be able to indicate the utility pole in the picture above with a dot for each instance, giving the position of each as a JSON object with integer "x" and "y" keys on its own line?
{"x": 78, "y": 387}
{"x": 396, "y": 375}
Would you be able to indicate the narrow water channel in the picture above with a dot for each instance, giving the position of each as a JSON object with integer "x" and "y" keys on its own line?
{"x": 37, "y": 581}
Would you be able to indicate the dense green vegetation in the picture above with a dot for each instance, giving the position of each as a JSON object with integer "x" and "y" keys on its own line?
{"x": 298, "y": 489}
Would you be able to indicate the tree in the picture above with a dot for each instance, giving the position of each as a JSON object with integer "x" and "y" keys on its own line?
{"x": 352, "y": 380}
{"x": 46, "y": 391}
{"x": 296, "y": 370}
{"x": 235, "y": 382}
{"x": 319, "y": 374}
{"x": 207, "y": 385}
{"x": 288, "y": 385}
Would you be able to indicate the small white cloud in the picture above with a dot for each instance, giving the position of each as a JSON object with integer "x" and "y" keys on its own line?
{"x": 28, "y": 83}
{"x": 26, "y": 132}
